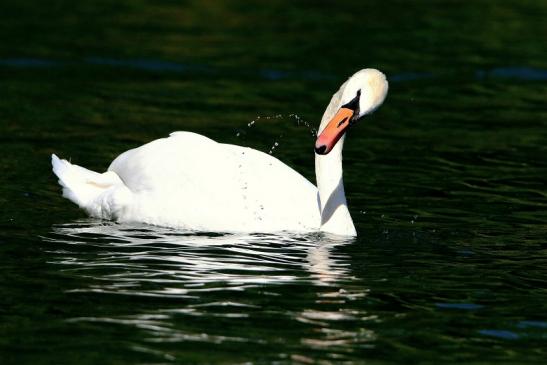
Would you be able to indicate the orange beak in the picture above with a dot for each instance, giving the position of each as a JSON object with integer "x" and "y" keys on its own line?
{"x": 333, "y": 131}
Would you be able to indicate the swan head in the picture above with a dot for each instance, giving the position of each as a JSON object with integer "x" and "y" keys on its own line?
{"x": 360, "y": 95}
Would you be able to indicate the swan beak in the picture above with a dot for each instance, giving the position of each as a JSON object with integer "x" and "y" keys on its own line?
{"x": 333, "y": 131}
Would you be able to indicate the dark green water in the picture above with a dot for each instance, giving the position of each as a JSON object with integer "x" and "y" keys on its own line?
{"x": 446, "y": 183}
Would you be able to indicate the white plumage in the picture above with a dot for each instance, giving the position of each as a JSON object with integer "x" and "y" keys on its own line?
{"x": 190, "y": 181}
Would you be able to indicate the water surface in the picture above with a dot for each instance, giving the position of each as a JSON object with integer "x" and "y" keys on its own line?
{"x": 446, "y": 183}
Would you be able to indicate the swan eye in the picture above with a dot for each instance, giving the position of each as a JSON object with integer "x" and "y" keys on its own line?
{"x": 354, "y": 103}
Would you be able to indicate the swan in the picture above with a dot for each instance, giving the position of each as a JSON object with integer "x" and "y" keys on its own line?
{"x": 191, "y": 182}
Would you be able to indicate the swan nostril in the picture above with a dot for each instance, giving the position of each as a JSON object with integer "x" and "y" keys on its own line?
{"x": 321, "y": 149}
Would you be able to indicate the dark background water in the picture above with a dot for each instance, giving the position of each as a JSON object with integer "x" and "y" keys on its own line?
{"x": 446, "y": 182}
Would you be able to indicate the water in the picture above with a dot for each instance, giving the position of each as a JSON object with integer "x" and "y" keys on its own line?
{"x": 446, "y": 183}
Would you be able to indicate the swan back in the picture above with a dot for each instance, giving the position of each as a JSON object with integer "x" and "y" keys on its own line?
{"x": 191, "y": 181}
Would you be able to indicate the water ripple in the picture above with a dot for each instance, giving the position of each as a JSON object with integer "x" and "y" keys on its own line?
{"x": 231, "y": 278}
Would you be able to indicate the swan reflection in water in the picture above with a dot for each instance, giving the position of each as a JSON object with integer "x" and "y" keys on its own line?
{"x": 142, "y": 253}
{"x": 303, "y": 278}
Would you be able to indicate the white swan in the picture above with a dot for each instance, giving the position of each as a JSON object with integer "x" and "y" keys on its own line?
{"x": 190, "y": 181}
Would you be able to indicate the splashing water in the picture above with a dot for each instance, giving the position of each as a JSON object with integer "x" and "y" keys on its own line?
{"x": 298, "y": 121}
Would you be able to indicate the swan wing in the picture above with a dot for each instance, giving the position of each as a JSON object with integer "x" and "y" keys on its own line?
{"x": 191, "y": 181}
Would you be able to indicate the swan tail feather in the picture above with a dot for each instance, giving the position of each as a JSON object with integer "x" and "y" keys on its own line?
{"x": 101, "y": 195}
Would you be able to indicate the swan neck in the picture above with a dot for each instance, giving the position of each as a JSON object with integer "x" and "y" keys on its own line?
{"x": 335, "y": 216}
